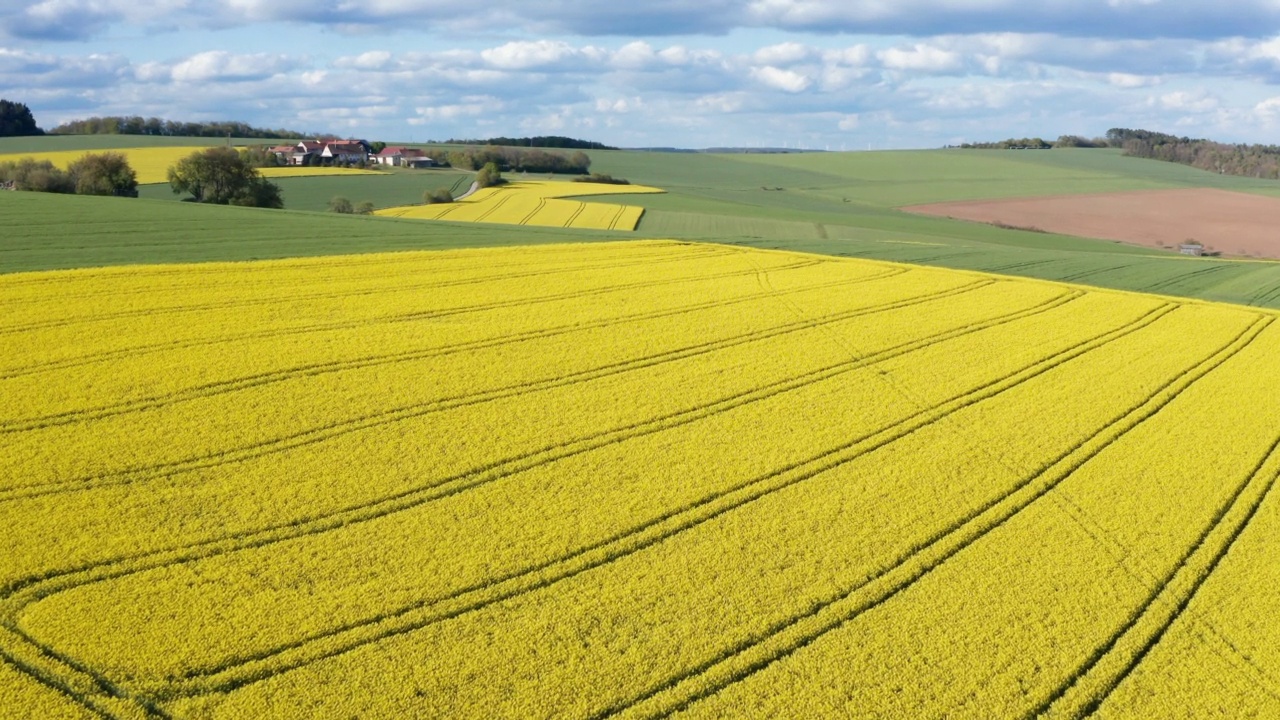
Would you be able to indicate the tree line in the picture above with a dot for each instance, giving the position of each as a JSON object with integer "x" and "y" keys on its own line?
{"x": 16, "y": 120}
{"x": 514, "y": 159}
{"x": 218, "y": 175}
{"x": 1258, "y": 161}
{"x": 105, "y": 173}
{"x": 136, "y": 125}
{"x": 545, "y": 141}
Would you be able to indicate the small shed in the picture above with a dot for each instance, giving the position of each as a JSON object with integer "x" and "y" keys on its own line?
{"x": 1191, "y": 248}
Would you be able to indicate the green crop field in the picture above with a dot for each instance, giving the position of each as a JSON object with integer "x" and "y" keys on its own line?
{"x": 47, "y": 232}
{"x": 832, "y": 203}
{"x": 391, "y": 188}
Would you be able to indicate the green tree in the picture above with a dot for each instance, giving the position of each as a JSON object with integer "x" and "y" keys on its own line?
{"x": 260, "y": 193}
{"x": 16, "y": 119}
{"x": 489, "y": 175}
{"x": 105, "y": 173}
{"x": 36, "y": 176}
{"x": 340, "y": 204}
{"x": 439, "y": 195}
{"x": 365, "y": 208}
{"x": 220, "y": 176}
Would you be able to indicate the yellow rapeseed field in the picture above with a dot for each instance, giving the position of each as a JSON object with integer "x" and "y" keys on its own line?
{"x": 631, "y": 480}
{"x": 152, "y": 163}
{"x": 536, "y": 202}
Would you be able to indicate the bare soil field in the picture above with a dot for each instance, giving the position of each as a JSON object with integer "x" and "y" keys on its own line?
{"x": 1230, "y": 223}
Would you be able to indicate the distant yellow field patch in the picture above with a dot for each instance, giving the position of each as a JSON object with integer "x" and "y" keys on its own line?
{"x": 152, "y": 163}
{"x": 537, "y": 202}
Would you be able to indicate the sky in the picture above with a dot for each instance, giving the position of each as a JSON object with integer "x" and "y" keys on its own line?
{"x": 820, "y": 74}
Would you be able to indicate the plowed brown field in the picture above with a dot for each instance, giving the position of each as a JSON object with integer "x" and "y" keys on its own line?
{"x": 1231, "y": 223}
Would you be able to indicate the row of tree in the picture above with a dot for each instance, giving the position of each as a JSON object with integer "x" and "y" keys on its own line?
{"x": 543, "y": 141}
{"x": 1259, "y": 161}
{"x": 218, "y": 175}
{"x": 136, "y": 125}
{"x": 105, "y": 173}
{"x": 520, "y": 160}
{"x": 1035, "y": 143}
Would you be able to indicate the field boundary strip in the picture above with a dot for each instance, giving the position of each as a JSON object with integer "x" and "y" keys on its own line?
{"x": 337, "y": 429}
{"x": 660, "y": 423}
{"x": 314, "y": 369}
{"x": 789, "y": 636}
{"x": 1112, "y": 661}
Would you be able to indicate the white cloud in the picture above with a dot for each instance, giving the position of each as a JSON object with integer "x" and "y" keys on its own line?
{"x": 787, "y": 53}
{"x": 224, "y": 66}
{"x": 1129, "y": 80}
{"x": 524, "y": 55}
{"x": 778, "y": 79}
{"x": 921, "y": 57}
{"x": 1195, "y": 102}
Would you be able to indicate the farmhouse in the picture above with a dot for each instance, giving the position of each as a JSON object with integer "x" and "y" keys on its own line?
{"x": 403, "y": 157}
{"x": 344, "y": 152}
{"x": 308, "y": 152}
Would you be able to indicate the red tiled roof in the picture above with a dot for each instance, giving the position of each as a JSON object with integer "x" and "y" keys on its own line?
{"x": 345, "y": 147}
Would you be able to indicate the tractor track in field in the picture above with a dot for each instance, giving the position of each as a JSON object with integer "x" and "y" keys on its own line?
{"x": 542, "y": 203}
{"x": 574, "y": 217}
{"x": 51, "y": 585}
{"x": 1181, "y": 277}
{"x": 153, "y": 312}
{"x": 1166, "y": 601}
{"x": 415, "y": 316}
{"x": 323, "y": 433}
{"x": 316, "y": 272}
{"x": 787, "y": 637}
{"x": 211, "y": 389}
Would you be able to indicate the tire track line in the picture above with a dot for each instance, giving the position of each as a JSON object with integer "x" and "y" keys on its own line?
{"x": 1107, "y": 666}
{"x": 321, "y": 368}
{"x": 1094, "y": 271}
{"x": 52, "y": 682}
{"x": 494, "y": 207}
{"x": 322, "y": 433}
{"x": 315, "y": 273}
{"x": 415, "y": 316}
{"x": 153, "y": 312}
{"x": 788, "y": 636}
{"x": 542, "y": 203}
{"x": 1177, "y": 279}
{"x": 574, "y": 217}
{"x": 671, "y": 522}
{"x": 541, "y": 456}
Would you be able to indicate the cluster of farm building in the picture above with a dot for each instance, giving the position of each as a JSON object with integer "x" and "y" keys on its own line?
{"x": 349, "y": 152}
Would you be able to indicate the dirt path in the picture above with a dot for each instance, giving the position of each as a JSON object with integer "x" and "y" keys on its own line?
{"x": 1235, "y": 224}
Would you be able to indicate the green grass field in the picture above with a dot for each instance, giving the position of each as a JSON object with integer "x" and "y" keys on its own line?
{"x": 831, "y": 203}
{"x": 393, "y": 187}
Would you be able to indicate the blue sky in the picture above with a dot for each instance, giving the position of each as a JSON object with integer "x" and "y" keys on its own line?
{"x": 813, "y": 73}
